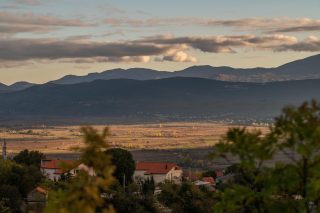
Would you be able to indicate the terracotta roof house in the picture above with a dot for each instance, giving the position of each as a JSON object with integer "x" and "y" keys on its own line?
{"x": 209, "y": 180}
{"x": 191, "y": 176}
{"x": 219, "y": 173}
{"x": 159, "y": 171}
{"x": 36, "y": 199}
{"x": 53, "y": 169}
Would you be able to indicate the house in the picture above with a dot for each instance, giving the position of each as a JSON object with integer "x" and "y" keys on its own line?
{"x": 206, "y": 182}
{"x": 209, "y": 180}
{"x": 53, "y": 169}
{"x": 192, "y": 176}
{"x": 160, "y": 172}
{"x": 219, "y": 174}
{"x": 225, "y": 178}
{"x": 36, "y": 199}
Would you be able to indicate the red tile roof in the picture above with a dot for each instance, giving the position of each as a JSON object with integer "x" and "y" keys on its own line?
{"x": 192, "y": 176}
{"x": 55, "y": 163}
{"x": 59, "y": 172}
{"x": 156, "y": 168}
{"x": 208, "y": 179}
{"x": 41, "y": 190}
{"x": 219, "y": 173}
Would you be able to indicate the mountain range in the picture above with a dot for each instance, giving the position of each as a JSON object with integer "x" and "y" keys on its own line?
{"x": 307, "y": 68}
{"x": 21, "y": 85}
{"x": 198, "y": 92}
{"x": 170, "y": 99}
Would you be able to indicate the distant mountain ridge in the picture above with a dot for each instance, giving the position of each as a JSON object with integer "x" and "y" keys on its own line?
{"x": 169, "y": 98}
{"x": 21, "y": 85}
{"x": 308, "y": 68}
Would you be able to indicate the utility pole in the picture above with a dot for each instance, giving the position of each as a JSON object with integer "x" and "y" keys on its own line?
{"x": 4, "y": 149}
{"x": 124, "y": 181}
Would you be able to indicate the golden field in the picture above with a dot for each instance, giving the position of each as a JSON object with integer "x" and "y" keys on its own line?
{"x": 61, "y": 139}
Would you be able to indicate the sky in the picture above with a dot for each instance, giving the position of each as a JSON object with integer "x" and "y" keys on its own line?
{"x": 43, "y": 40}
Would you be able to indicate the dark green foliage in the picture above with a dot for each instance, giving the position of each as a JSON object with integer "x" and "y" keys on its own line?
{"x": 85, "y": 193}
{"x": 13, "y": 197}
{"x": 297, "y": 131}
{"x": 292, "y": 186}
{"x": 130, "y": 200}
{"x": 16, "y": 181}
{"x": 124, "y": 163}
{"x": 186, "y": 198}
{"x": 4, "y": 208}
{"x": 29, "y": 158}
{"x": 148, "y": 186}
{"x": 210, "y": 173}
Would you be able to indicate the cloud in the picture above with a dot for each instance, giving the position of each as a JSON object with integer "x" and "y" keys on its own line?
{"x": 179, "y": 56}
{"x": 125, "y": 59}
{"x": 153, "y": 22}
{"x": 270, "y": 25}
{"x": 14, "y": 29}
{"x": 305, "y": 28}
{"x": 224, "y": 44}
{"x": 114, "y": 33}
{"x": 13, "y": 23}
{"x": 42, "y": 20}
{"x": 26, "y": 49}
{"x": 11, "y": 64}
{"x": 158, "y": 48}
{"x": 311, "y": 44}
{"x": 111, "y": 9}
{"x": 266, "y": 25}
{"x": 28, "y": 2}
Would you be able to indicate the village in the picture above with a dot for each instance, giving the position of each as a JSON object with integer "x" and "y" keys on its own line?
{"x": 56, "y": 170}
{"x": 269, "y": 169}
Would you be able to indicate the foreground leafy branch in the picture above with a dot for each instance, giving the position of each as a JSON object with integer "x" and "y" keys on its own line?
{"x": 86, "y": 193}
{"x": 289, "y": 186}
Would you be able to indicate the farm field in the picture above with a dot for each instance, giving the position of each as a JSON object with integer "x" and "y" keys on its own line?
{"x": 164, "y": 136}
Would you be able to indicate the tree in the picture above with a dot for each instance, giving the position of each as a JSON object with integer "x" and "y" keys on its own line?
{"x": 3, "y": 207}
{"x": 16, "y": 181}
{"x": 297, "y": 132}
{"x": 210, "y": 173}
{"x": 292, "y": 186}
{"x": 248, "y": 192}
{"x": 124, "y": 163}
{"x": 86, "y": 193}
{"x": 130, "y": 201}
{"x": 148, "y": 186}
{"x": 186, "y": 198}
{"x": 29, "y": 158}
{"x": 12, "y": 196}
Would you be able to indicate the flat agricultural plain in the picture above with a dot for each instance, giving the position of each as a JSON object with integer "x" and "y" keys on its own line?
{"x": 62, "y": 139}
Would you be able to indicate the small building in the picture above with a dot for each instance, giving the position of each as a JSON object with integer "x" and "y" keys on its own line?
{"x": 209, "y": 180}
{"x": 225, "y": 178}
{"x": 53, "y": 169}
{"x": 192, "y": 176}
{"x": 36, "y": 200}
{"x": 160, "y": 172}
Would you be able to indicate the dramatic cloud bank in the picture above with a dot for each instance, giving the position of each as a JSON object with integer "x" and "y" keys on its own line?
{"x": 158, "y": 48}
